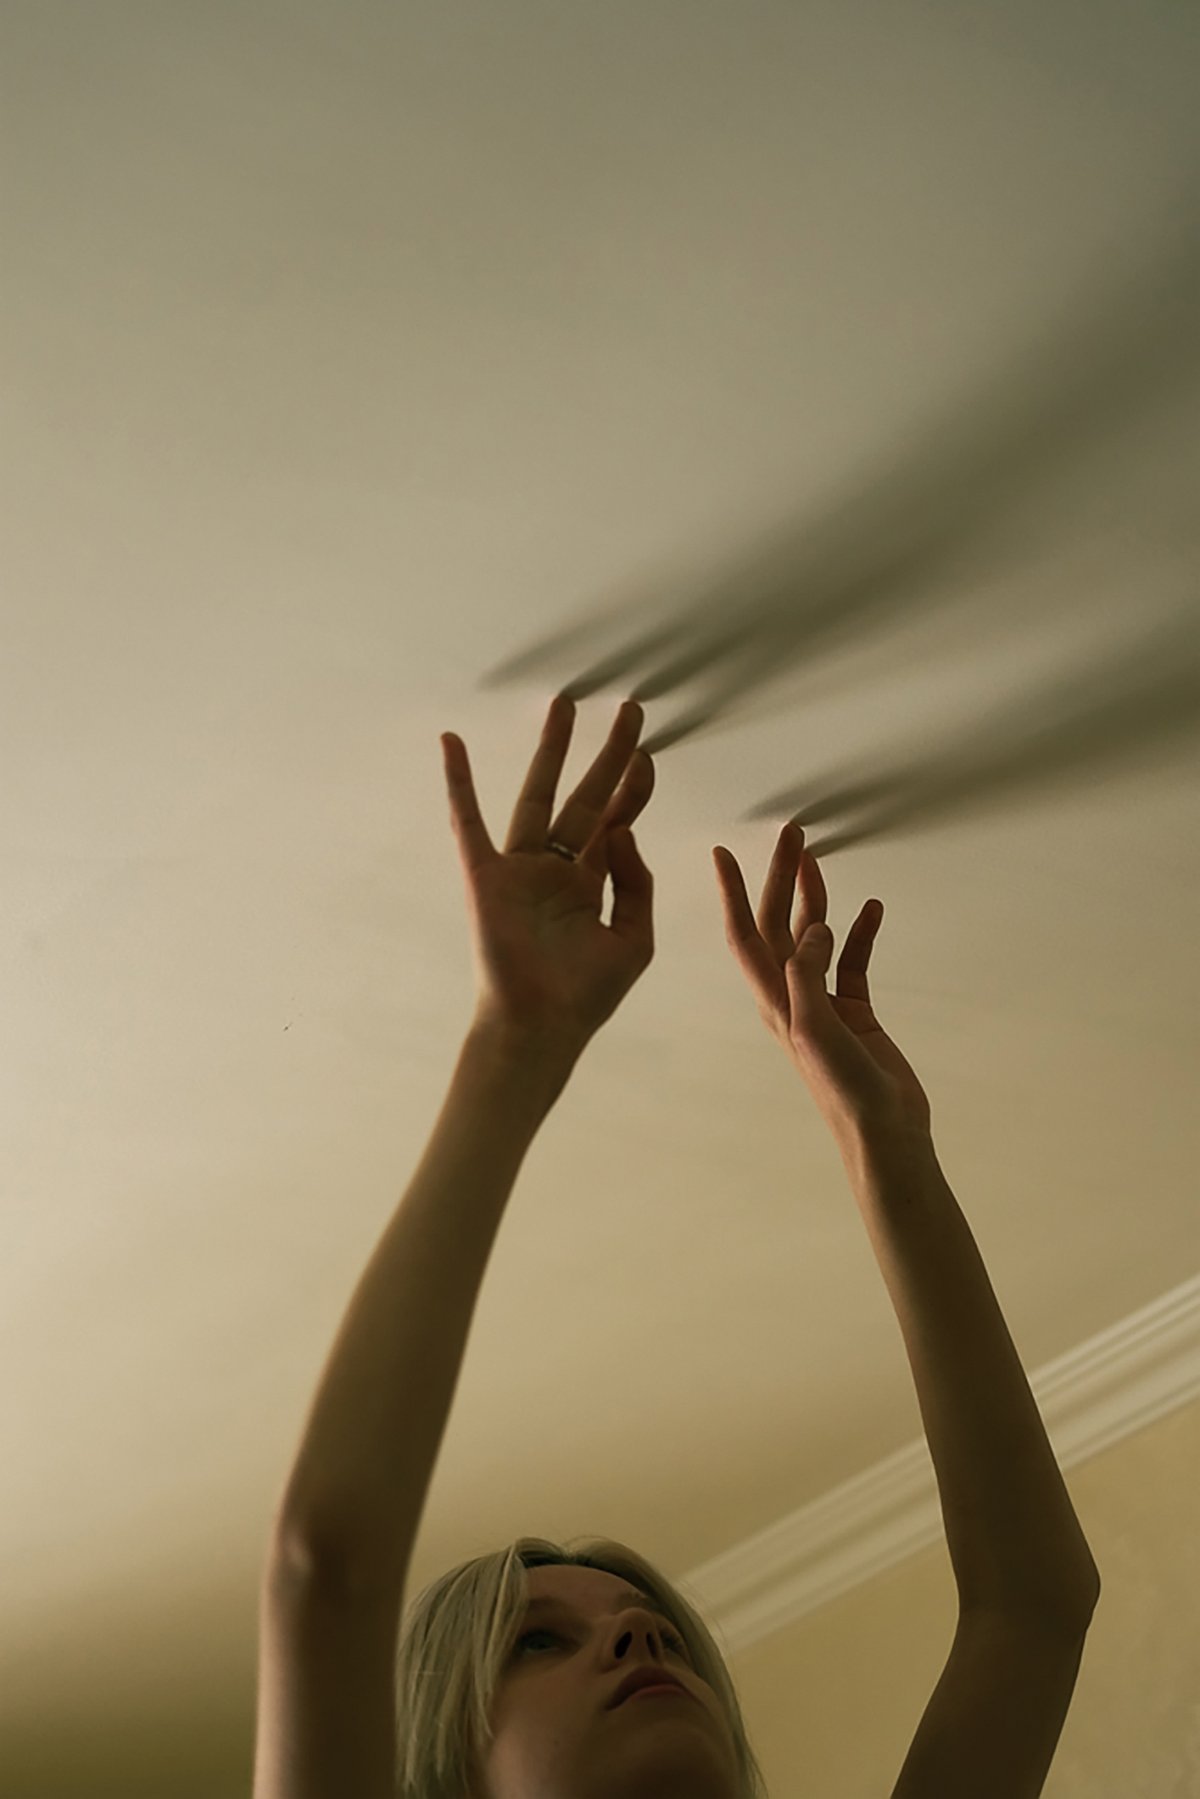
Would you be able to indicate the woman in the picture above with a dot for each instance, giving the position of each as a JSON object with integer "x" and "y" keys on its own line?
{"x": 480, "y": 1716}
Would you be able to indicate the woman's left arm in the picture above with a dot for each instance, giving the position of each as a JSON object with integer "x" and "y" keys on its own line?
{"x": 1015, "y": 1542}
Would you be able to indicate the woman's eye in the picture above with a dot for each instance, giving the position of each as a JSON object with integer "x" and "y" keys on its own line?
{"x": 668, "y": 1637}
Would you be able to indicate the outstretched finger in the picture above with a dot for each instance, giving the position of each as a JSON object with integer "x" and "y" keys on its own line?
{"x": 780, "y": 891}
{"x": 856, "y": 953}
{"x": 529, "y": 826}
{"x": 475, "y": 845}
{"x": 759, "y": 964}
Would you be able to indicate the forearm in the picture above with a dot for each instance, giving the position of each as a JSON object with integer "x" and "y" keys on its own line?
{"x": 358, "y": 1486}
{"x": 1015, "y": 1541}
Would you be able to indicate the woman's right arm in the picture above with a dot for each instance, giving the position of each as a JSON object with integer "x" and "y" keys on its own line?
{"x": 353, "y": 1503}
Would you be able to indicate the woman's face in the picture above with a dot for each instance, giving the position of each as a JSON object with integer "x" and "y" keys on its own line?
{"x": 558, "y": 1733}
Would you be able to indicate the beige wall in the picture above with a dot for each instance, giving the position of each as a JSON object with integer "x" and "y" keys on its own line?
{"x": 833, "y": 1704}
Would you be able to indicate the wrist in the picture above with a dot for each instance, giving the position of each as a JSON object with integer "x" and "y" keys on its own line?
{"x": 529, "y": 1065}
{"x": 870, "y": 1145}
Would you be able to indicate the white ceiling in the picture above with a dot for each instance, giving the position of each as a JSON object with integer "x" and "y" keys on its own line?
{"x": 828, "y": 377}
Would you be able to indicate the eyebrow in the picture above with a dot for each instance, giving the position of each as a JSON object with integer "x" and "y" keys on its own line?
{"x": 627, "y": 1595}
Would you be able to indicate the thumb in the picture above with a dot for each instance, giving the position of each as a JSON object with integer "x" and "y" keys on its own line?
{"x": 633, "y": 889}
{"x": 817, "y": 943}
{"x": 806, "y": 970}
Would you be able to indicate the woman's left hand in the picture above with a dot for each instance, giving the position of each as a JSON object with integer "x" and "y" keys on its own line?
{"x": 548, "y": 970}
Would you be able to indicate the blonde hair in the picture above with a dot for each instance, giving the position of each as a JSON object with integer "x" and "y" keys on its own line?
{"x": 455, "y": 1639}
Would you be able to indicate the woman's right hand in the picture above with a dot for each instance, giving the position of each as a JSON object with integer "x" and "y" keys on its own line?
{"x": 852, "y": 1068}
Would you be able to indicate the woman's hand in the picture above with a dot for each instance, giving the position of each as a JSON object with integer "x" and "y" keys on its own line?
{"x": 851, "y": 1066}
{"x": 549, "y": 973}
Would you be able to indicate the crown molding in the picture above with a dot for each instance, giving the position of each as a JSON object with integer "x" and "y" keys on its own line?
{"x": 1097, "y": 1394}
